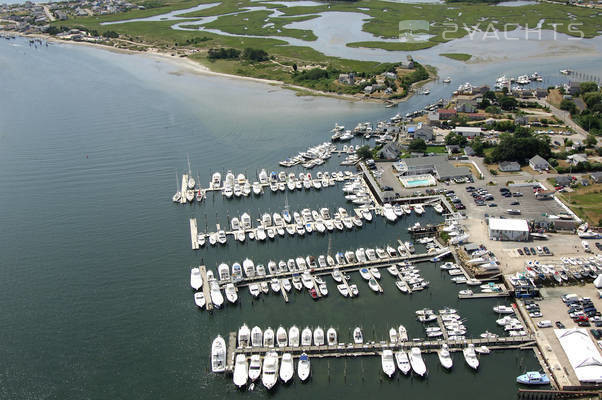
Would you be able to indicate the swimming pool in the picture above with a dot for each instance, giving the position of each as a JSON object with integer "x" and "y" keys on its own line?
{"x": 417, "y": 181}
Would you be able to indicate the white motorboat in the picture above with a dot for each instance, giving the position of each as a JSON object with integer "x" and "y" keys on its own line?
{"x": 196, "y": 282}
{"x": 254, "y": 289}
{"x": 293, "y": 336}
{"x": 241, "y": 370}
{"x": 270, "y": 370}
{"x": 323, "y": 288}
{"x": 501, "y": 309}
{"x": 306, "y": 280}
{"x": 303, "y": 367}
{"x": 416, "y": 361}
{"x": 275, "y": 285}
{"x": 470, "y": 356}
{"x": 365, "y": 273}
{"x": 336, "y": 275}
{"x": 331, "y": 337}
{"x": 281, "y": 337}
{"x": 381, "y": 253}
{"x": 287, "y": 368}
{"x": 419, "y": 209}
{"x": 256, "y": 337}
{"x": 444, "y": 357}
{"x": 374, "y": 285}
{"x": 286, "y": 285}
{"x": 231, "y": 293}
{"x": 343, "y": 290}
{"x": 403, "y": 363}
{"x": 244, "y": 336}
{"x": 387, "y": 362}
{"x": 268, "y": 338}
{"x": 402, "y": 333}
{"x": 393, "y": 270}
{"x": 353, "y": 291}
{"x": 358, "y": 336}
{"x": 265, "y": 288}
{"x": 216, "y": 294}
{"x": 218, "y": 354}
{"x": 318, "y": 336}
{"x": 393, "y": 335}
{"x": 409, "y": 246}
{"x": 199, "y": 299}
{"x": 255, "y": 367}
{"x": 306, "y": 337}
{"x": 371, "y": 254}
{"x": 482, "y": 349}
{"x": 297, "y": 283}
{"x": 375, "y": 272}
{"x": 389, "y": 213}
{"x": 249, "y": 268}
{"x": 367, "y": 215}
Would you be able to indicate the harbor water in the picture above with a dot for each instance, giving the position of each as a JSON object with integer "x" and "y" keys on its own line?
{"x": 95, "y": 260}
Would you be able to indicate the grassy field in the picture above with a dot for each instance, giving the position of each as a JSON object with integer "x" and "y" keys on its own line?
{"x": 457, "y": 56}
{"x": 585, "y": 202}
{"x": 436, "y": 149}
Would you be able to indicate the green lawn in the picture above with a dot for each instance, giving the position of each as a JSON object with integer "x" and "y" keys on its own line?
{"x": 436, "y": 149}
{"x": 585, "y": 202}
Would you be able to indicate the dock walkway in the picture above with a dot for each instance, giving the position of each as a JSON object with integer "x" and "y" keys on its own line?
{"x": 206, "y": 289}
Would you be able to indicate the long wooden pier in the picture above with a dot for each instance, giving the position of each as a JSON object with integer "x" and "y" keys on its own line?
{"x": 206, "y": 289}
{"x": 374, "y": 348}
{"x": 194, "y": 239}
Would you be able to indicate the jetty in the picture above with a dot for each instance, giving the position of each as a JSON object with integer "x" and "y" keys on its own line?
{"x": 206, "y": 288}
{"x": 194, "y": 238}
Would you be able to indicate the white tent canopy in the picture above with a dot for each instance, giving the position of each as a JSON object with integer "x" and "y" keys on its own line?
{"x": 582, "y": 354}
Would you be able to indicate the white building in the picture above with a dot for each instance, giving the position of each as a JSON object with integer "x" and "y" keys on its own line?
{"x": 467, "y": 131}
{"x": 516, "y": 230}
{"x": 582, "y": 354}
{"x": 538, "y": 163}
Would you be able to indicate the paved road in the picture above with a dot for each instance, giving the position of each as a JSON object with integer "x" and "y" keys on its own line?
{"x": 565, "y": 117}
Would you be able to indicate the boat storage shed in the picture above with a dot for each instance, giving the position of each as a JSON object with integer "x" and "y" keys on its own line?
{"x": 582, "y": 354}
{"x": 516, "y": 230}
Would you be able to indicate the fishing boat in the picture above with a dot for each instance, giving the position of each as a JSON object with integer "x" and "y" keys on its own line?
{"x": 286, "y": 285}
{"x": 358, "y": 337}
{"x": 287, "y": 368}
{"x": 270, "y": 370}
{"x": 231, "y": 293}
{"x": 249, "y": 268}
{"x": 393, "y": 335}
{"x": 444, "y": 357}
{"x": 241, "y": 370}
{"x": 331, "y": 337}
{"x": 533, "y": 378}
{"x": 303, "y": 367}
{"x": 281, "y": 337}
{"x": 402, "y": 333}
{"x": 470, "y": 356}
{"x": 255, "y": 367}
{"x": 256, "y": 337}
{"x": 218, "y": 354}
{"x": 318, "y": 336}
{"x": 275, "y": 285}
{"x": 293, "y": 336}
{"x": 199, "y": 299}
{"x": 196, "y": 282}
{"x": 416, "y": 361}
{"x": 403, "y": 363}
{"x": 306, "y": 337}
{"x": 244, "y": 336}
{"x": 387, "y": 362}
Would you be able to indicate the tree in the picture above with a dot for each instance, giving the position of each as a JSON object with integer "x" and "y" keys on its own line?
{"x": 417, "y": 146}
{"x": 256, "y": 55}
{"x": 484, "y": 104}
{"x": 489, "y": 95}
{"x": 455, "y": 139}
{"x": 592, "y": 99}
{"x": 295, "y": 67}
{"x": 364, "y": 152}
{"x": 508, "y": 103}
{"x": 586, "y": 87}
{"x": 590, "y": 141}
{"x": 477, "y": 146}
{"x": 493, "y": 110}
{"x": 110, "y": 34}
{"x": 568, "y": 105}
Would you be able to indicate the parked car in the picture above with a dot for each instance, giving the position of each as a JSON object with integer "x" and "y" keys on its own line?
{"x": 520, "y": 252}
{"x": 560, "y": 325}
{"x": 515, "y": 203}
{"x": 526, "y": 250}
{"x": 492, "y": 205}
{"x": 546, "y": 250}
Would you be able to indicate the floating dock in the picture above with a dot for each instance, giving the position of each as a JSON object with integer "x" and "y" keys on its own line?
{"x": 194, "y": 238}
{"x": 206, "y": 289}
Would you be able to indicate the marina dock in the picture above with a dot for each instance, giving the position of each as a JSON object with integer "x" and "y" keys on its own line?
{"x": 206, "y": 289}
{"x": 183, "y": 189}
{"x": 194, "y": 239}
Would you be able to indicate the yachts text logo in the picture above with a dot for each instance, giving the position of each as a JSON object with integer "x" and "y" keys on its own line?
{"x": 413, "y": 30}
{"x": 511, "y": 31}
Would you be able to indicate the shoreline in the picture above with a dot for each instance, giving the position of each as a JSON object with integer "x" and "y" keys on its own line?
{"x": 198, "y": 68}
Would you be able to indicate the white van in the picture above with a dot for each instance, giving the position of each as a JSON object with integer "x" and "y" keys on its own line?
{"x": 544, "y": 324}
{"x": 569, "y": 297}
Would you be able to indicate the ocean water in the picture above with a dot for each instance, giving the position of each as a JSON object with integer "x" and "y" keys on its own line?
{"x": 95, "y": 258}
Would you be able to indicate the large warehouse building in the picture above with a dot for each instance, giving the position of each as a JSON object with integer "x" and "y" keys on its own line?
{"x": 516, "y": 230}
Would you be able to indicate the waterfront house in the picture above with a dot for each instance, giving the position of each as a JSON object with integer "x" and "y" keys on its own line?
{"x": 538, "y": 163}
{"x": 421, "y": 131}
{"x": 509, "y": 166}
{"x": 466, "y": 106}
{"x": 541, "y": 93}
{"x": 390, "y": 151}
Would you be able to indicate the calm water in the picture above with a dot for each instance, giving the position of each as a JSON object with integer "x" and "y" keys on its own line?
{"x": 94, "y": 283}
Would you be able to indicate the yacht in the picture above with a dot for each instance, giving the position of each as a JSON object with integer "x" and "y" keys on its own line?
{"x": 216, "y": 180}
{"x": 375, "y": 272}
{"x": 533, "y": 378}
{"x": 293, "y": 336}
{"x": 358, "y": 337}
{"x": 199, "y": 299}
{"x": 254, "y": 289}
{"x": 402, "y": 333}
{"x": 249, "y": 268}
{"x": 270, "y": 370}
{"x": 196, "y": 282}
{"x": 387, "y": 362}
{"x": 393, "y": 335}
{"x": 416, "y": 361}
{"x": 331, "y": 337}
{"x": 275, "y": 285}
{"x": 241, "y": 370}
{"x": 343, "y": 290}
{"x": 365, "y": 273}
{"x": 216, "y": 294}
{"x": 244, "y": 336}
{"x": 306, "y": 280}
{"x": 303, "y": 367}
{"x": 223, "y": 271}
{"x": 444, "y": 357}
{"x": 371, "y": 254}
{"x": 287, "y": 368}
{"x": 231, "y": 293}
{"x": 389, "y": 212}
{"x": 306, "y": 337}
{"x": 501, "y": 309}
{"x": 268, "y": 338}
{"x": 403, "y": 363}
{"x": 286, "y": 285}
{"x": 419, "y": 209}
{"x": 256, "y": 337}
{"x": 318, "y": 336}
{"x": 470, "y": 356}
{"x": 281, "y": 337}
{"x": 218, "y": 354}
{"x": 255, "y": 367}
{"x": 245, "y": 221}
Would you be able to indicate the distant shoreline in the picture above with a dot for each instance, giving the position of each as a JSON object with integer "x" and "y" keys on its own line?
{"x": 197, "y": 68}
